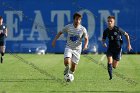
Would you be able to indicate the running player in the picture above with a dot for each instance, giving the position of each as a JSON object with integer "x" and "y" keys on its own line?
{"x": 73, "y": 47}
{"x": 114, "y": 51}
{"x": 3, "y": 34}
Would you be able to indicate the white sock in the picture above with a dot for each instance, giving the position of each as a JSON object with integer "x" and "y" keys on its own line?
{"x": 71, "y": 72}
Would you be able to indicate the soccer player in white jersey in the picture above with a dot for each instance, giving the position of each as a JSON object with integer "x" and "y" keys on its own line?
{"x": 73, "y": 47}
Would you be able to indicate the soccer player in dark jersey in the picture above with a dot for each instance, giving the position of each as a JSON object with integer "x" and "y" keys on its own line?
{"x": 114, "y": 48}
{"x": 3, "y": 34}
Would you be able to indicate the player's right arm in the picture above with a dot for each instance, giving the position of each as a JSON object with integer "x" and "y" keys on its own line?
{"x": 103, "y": 43}
{"x": 104, "y": 38}
{"x": 56, "y": 37}
{"x": 65, "y": 29}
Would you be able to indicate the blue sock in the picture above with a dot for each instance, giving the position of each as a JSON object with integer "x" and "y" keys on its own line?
{"x": 110, "y": 70}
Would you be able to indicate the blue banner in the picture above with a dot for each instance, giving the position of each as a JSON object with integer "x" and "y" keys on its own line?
{"x": 33, "y": 24}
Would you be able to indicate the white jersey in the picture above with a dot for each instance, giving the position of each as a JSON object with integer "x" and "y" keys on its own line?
{"x": 75, "y": 35}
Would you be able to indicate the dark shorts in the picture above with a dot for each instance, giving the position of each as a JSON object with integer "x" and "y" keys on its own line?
{"x": 2, "y": 43}
{"x": 115, "y": 53}
{"x": 2, "y": 40}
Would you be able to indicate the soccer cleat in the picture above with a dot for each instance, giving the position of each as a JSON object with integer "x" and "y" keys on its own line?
{"x": 1, "y": 59}
{"x": 66, "y": 71}
{"x": 110, "y": 78}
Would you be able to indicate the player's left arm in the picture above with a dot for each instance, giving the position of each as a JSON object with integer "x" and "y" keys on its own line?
{"x": 86, "y": 40}
{"x": 128, "y": 41}
{"x": 86, "y": 43}
{"x": 6, "y": 32}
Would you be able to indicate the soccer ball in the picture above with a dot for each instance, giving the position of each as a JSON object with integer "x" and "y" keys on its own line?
{"x": 69, "y": 77}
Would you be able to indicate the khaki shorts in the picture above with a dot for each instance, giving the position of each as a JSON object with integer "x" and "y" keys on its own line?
{"x": 73, "y": 54}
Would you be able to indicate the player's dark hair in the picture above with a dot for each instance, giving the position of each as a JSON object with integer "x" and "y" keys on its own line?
{"x": 1, "y": 17}
{"x": 77, "y": 15}
{"x": 111, "y": 17}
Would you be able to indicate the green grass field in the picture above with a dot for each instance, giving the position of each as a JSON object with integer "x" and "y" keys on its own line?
{"x": 31, "y": 73}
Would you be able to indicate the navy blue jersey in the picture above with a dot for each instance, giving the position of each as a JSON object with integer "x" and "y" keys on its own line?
{"x": 2, "y": 31}
{"x": 114, "y": 36}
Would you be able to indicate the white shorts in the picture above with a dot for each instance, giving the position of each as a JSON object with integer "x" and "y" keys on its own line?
{"x": 73, "y": 54}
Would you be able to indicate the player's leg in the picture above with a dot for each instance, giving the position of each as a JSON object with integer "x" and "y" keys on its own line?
{"x": 116, "y": 57}
{"x": 115, "y": 63}
{"x": 109, "y": 63}
{"x": 109, "y": 66}
{"x": 75, "y": 59}
{"x": 67, "y": 60}
{"x": 73, "y": 67}
{"x": 2, "y": 51}
{"x": 1, "y": 54}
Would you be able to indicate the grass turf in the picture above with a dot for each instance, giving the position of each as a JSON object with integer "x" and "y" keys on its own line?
{"x": 31, "y": 73}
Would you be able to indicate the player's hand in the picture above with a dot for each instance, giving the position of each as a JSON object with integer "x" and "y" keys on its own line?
{"x": 129, "y": 47}
{"x": 104, "y": 45}
{"x": 53, "y": 44}
{"x": 85, "y": 48}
